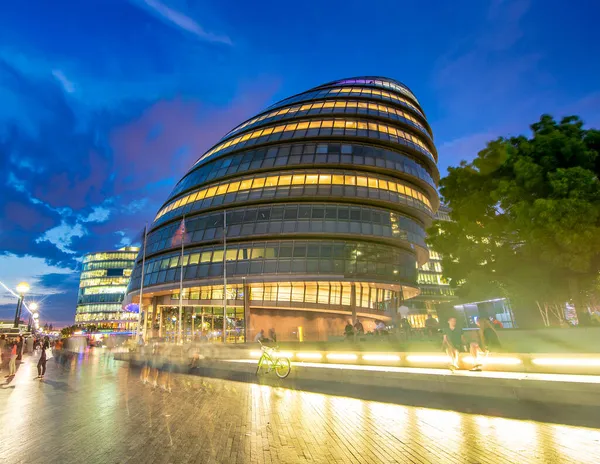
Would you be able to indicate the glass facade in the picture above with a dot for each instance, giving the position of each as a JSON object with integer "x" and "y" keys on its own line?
{"x": 326, "y": 196}
{"x": 102, "y": 287}
{"x": 434, "y": 289}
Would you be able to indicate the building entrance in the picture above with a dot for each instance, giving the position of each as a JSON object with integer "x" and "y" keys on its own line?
{"x": 202, "y": 323}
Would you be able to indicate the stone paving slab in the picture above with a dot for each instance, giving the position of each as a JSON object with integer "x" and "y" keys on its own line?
{"x": 93, "y": 409}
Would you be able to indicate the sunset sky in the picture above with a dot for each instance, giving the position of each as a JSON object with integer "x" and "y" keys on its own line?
{"x": 105, "y": 104}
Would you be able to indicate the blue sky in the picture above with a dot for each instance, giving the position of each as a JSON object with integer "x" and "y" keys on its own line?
{"x": 104, "y": 104}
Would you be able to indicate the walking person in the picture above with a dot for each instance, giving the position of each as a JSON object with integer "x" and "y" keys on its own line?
{"x": 12, "y": 364}
{"x": 20, "y": 343}
{"x": 41, "y": 365}
{"x": 2, "y": 350}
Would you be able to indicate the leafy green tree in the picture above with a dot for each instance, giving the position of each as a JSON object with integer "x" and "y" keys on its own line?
{"x": 526, "y": 218}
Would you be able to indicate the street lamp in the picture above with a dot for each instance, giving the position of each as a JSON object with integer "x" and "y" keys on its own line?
{"x": 32, "y": 314}
{"x": 22, "y": 289}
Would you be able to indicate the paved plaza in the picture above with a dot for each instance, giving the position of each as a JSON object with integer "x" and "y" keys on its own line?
{"x": 97, "y": 410}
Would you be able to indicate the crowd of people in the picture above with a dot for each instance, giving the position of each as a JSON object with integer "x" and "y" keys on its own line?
{"x": 12, "y": 349}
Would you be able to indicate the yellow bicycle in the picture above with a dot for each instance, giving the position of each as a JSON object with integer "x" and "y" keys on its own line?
{"x": 272, "y": 361}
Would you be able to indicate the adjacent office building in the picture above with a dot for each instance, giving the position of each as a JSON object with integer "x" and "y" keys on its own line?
{"x": 326, "y": 196}
{"x": 102, "y": 287}
{"x": 434, "y": 288}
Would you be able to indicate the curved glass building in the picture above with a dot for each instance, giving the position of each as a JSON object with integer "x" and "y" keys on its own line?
{"x": 326, "y": 197}
{"x": 102, "y": 287}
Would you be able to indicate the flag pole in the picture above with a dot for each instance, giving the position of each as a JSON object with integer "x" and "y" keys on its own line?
{"x": 181, "y": 284}
{"x": 141, "y": 305}
{"x": 224, "y": 276}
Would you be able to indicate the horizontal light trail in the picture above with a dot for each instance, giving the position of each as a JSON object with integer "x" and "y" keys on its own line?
{"x": 587, "y": 379}
{"x": 500, "y": 361}
{"x": 381, "y": 357}
{"x": 575, "y": 362}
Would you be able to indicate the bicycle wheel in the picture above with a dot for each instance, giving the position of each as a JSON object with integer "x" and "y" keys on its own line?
{"x": 282, "y": 367}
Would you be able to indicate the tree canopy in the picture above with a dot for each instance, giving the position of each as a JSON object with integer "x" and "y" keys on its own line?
{"x": 525, "y": 217}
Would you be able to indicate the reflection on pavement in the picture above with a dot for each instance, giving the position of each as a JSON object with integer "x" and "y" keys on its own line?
{"x": 93, "y": 409}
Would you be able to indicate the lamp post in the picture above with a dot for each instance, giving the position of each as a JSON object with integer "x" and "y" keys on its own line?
{"x": 22, "y": 289}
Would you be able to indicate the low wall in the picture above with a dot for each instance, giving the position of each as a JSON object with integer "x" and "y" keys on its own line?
{"x": 551, "y": 340}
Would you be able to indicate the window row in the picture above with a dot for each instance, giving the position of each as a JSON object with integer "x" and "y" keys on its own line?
{"x": 109, "y": 256}
{"x": 432, "y": 266}
{"x": 431, "y": 279}
{"x": 299, "y": 179}
{"x": 321, "y": 128}
{"x": 100, "y": 298}
{"x": 303, "y": 154}
{"x": 366, "y": 295}
{"x": 326, "y": 293}
{"x": 350, "y": 268}
{"x": 291, "y": 212}
{"x": 99, "y": 308}
{"x": 104, "y": 281}
{"x": 196, "y": 233}
{"x": 378, "y": 83}
{"x": 110, "y": 289}
{"x": 284, "y": 249}
{"x": 437, "y": 291}
{"x": 333, "y": 106}
{"x": 351, "y": 91}
{"x": 105, "y": 265}
{"x": 294, "y": 194}
{"x": 349, "y": 258}
{"x": 115, "y": 316}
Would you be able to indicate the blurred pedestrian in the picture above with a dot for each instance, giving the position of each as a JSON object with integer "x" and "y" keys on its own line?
{"x": 273, "y": 335}
{"x": 12, "y": 364}
{"x": 358, "y": 328}
{"x": 20, "y": 343}
{"x": 349, "y": 331}
{"x": 260, "y": 336}
{"x": 487, "y": 341}
{"x": 2, "y": 350}
{"x": 431, "y": 325}
{"x": 41, "y": 365}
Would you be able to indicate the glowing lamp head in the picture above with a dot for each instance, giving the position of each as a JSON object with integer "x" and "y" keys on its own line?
{"x": 23, "y": 288}
{"x": 33, "y": 306}
{"x": 36, "y": 315}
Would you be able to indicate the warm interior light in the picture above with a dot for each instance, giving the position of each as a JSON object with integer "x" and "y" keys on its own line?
{"x": 381, "y": 357}
{"x": 579, "y": 362}
{"x": 309, "y": 355}
{"x": 342, "y": 356}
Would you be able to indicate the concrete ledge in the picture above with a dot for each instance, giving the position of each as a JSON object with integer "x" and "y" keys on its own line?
{"x": 507, "y": 386}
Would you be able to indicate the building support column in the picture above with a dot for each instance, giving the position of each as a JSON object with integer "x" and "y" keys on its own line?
{"x": 353, "y": 301}
{"x": 160, "y": 321}
{"x": 246, "y": 309}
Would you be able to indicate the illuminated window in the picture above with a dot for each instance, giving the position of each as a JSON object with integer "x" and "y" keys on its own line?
{"x": 312, "y": 179}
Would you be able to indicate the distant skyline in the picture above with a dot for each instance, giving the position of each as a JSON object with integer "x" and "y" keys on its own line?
{"x": 96, "y": 95}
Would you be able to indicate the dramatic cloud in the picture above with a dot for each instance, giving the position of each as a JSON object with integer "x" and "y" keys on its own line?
{"x": 182, "y": 21}
{"x": 62, "y": 236}
{"x": 67, "y": 85}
